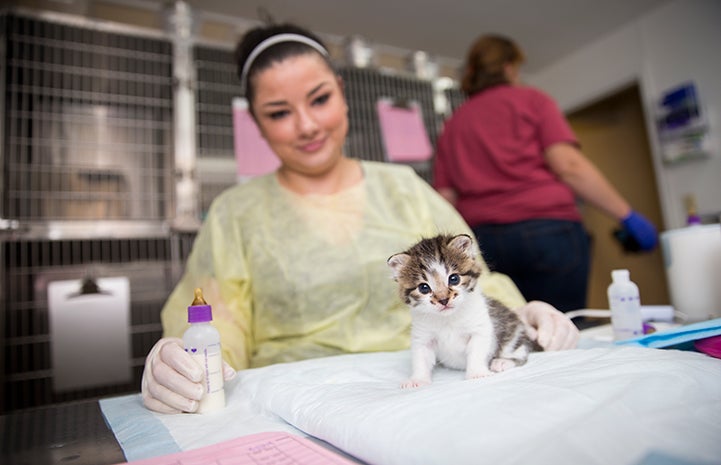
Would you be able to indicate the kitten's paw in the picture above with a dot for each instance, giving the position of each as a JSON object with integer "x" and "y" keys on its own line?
{"x": 415, "y": 383}
{"x": 502, "y": 364}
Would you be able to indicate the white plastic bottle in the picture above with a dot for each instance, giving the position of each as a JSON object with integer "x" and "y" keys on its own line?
{"x": 625, "y": 303}
{"x": 202, "y": 342}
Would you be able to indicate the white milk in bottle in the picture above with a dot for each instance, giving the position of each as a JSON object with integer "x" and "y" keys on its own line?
{"x": 202, "y": 342}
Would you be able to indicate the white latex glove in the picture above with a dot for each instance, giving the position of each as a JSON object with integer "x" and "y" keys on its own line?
{"x": 172, "y": 380}
{"x": 551, "y": 328}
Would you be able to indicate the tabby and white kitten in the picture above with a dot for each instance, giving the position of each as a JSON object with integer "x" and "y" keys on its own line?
{"x": 453, "y": 323}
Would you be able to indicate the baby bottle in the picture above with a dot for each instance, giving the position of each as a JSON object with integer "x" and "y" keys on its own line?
{"x": 625, "y": 303}
{"x": 202, "y": 342}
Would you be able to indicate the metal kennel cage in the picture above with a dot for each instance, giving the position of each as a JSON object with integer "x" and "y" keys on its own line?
{"x": 88, "y": 178}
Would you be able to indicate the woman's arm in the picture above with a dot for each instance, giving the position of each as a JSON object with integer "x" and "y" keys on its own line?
{"x": 587, "y": 182}
{"x": 575, "y": 170}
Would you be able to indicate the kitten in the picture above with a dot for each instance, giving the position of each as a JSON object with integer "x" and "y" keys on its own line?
{"x": 453, "y": 323}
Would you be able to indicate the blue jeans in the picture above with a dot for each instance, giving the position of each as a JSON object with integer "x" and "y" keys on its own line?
{"x": 549, "y": 260}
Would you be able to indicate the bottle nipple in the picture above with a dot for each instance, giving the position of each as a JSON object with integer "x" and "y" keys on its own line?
{"x": 692, "y": 216}
{"x": 198, "y": 297}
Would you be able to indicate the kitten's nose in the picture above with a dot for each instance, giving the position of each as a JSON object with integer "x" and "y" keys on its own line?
{"x": 443, "y": 301}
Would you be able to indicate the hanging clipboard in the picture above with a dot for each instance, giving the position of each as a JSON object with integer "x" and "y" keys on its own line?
{"x": 253, "y": 155}
{"x": 405, "y": 138}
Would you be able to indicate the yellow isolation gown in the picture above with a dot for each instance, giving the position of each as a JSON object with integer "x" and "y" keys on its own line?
{"x": 291, "y": 277}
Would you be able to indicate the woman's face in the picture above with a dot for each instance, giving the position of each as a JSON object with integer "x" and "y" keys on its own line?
{"x": 301, "y": 111}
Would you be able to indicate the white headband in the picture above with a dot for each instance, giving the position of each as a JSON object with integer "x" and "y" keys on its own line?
{"x": 269, "y": 42}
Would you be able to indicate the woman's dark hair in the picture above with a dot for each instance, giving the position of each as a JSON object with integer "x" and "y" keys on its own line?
{"x": 273, "y": 54}
{"x": 486, "y": 61}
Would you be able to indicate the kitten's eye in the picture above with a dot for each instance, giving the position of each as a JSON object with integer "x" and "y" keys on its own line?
{"x": 424, "y": 288}
{"x": 454, "y": 279}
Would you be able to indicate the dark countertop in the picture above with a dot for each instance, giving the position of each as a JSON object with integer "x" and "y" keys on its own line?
{"x": 70, "y": 434}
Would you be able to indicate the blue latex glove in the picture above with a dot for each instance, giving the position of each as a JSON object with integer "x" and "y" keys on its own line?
{"x": 641, "y": 229}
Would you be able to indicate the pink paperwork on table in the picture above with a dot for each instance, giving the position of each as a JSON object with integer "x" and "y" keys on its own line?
{"x": 271, "y": 448}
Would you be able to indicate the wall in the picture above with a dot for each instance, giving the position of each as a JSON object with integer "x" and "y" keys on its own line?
{"x": 675, "y": 43}
{"x": 613, "y": 135}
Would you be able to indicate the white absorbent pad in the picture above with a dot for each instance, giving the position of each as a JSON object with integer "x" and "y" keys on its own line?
{"x": 597, "y": 406}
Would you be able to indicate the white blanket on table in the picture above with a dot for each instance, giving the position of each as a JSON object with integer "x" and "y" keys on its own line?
{"x": 597, "y": 406}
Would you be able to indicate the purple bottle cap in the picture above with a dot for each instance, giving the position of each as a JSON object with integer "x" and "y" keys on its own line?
{"x": 199, "y": 313}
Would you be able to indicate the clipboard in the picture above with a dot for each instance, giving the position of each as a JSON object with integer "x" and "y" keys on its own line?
{"x": 253, "y": 155}
{"x": 89, "y": 332}
{"x": 405, "y": 138}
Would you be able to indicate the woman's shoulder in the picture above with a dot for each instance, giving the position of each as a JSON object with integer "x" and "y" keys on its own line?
{"x": 532, "y": 93}
{"x": 242, "y": 196}
{"x": 398, "y": 181}
{"x": 382, "y": 168}
{"x": 497, "y": 98}
{"x": 390, "y": 174}
{"x": 520, "y": 98}
{"x": 517, "y": 91}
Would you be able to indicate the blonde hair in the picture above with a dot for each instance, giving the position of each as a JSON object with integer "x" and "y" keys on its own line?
{"x": 486, "y": 61}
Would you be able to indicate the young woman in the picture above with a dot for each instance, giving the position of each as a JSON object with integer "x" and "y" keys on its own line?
{"x": 294, "y": 263}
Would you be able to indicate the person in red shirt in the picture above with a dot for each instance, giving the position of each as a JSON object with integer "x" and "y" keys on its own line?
{"x": 509, "y": 162}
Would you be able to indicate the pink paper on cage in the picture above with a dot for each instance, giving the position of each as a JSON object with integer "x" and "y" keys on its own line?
{"x": 253, "y": 155}
{"x": 404, "y": 135}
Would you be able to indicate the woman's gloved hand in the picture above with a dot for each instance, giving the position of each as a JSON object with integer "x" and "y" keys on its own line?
{"x": 551, "y": 328}
{"x": 172, "y": 380}
{"x": 641, "y": 230}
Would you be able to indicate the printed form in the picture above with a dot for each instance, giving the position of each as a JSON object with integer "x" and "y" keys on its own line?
{"x": 272, "y": 448}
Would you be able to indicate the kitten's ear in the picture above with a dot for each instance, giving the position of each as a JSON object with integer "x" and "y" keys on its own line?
{"x": 397, "y": 262}
{"x": 464, "y": 243}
